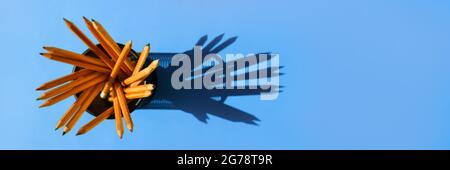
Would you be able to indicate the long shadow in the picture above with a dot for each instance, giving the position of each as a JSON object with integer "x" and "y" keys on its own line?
{"x": 201, "y": 102}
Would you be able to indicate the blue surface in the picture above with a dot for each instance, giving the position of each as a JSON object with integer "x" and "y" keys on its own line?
{"x": 359, "y": 74}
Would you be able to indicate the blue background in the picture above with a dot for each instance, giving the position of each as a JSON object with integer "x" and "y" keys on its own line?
{"x": 359, "y": 74}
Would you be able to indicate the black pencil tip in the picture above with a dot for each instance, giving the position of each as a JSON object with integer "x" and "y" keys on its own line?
{"x": 41, "y": 53}
{"x": 86, "y": 19}
{"x": 63, "y": 133}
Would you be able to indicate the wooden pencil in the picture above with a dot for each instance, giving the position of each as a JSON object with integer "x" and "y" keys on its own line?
{"x": 111, "y": 94}
{"x": 75, "y": 56}
{"x": 118, "y": 116}
{"x": 106, "y": 89}
{"x": 103, "y": 42}
{"x": 141, "y": 59}
{"x": 99, "y": 38}
{"x": 102, "y": 31}
{"x": 64, "y": 79}
{"x": 123, "y": 55}
{"x": 75, "y": 106}
{"x": 123, "y": 105}
{"x": 110, "y": 99}
{"x": 96, "y": 50}
{"x": 142, "y": 74}
{"x": 136, "y": 83}
{"x": 68, "y": 86}
{"x": 74, "y": 90}
{"x": 140, "y": 62}
{"x": 97, "y": 120}
{"x": 144, "y": 94}
{"x": 84, "y": 105}
{"x": 115, "y": 71}
{"x": 76, "y": 63}
{"x": 140, "y": 88}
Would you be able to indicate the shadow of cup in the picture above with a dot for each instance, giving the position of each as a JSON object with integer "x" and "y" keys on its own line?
{"x": 99, "y": 105}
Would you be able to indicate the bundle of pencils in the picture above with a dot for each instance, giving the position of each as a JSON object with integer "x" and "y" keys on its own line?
{"x": 113, "y": 76}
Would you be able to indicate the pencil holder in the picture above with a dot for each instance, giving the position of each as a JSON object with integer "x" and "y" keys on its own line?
{"x": 99, "y": 105}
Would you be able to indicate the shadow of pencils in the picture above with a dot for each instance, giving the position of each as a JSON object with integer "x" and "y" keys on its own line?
{"x": 201, "y": 102}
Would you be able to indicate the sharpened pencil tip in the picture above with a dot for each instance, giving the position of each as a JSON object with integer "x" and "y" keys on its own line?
{"x": 78, "y": 134}
{"x": 86, "y": 20}
{"x": 66, "y": 20}
{"x": 56, "y": 129}
{"x": 38, "y": 98}
{"x": 93, "y": 20}
{"x": 45, "y": 104}
{"x": 63, "y": 133}
{"x": 148, "y": 44}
